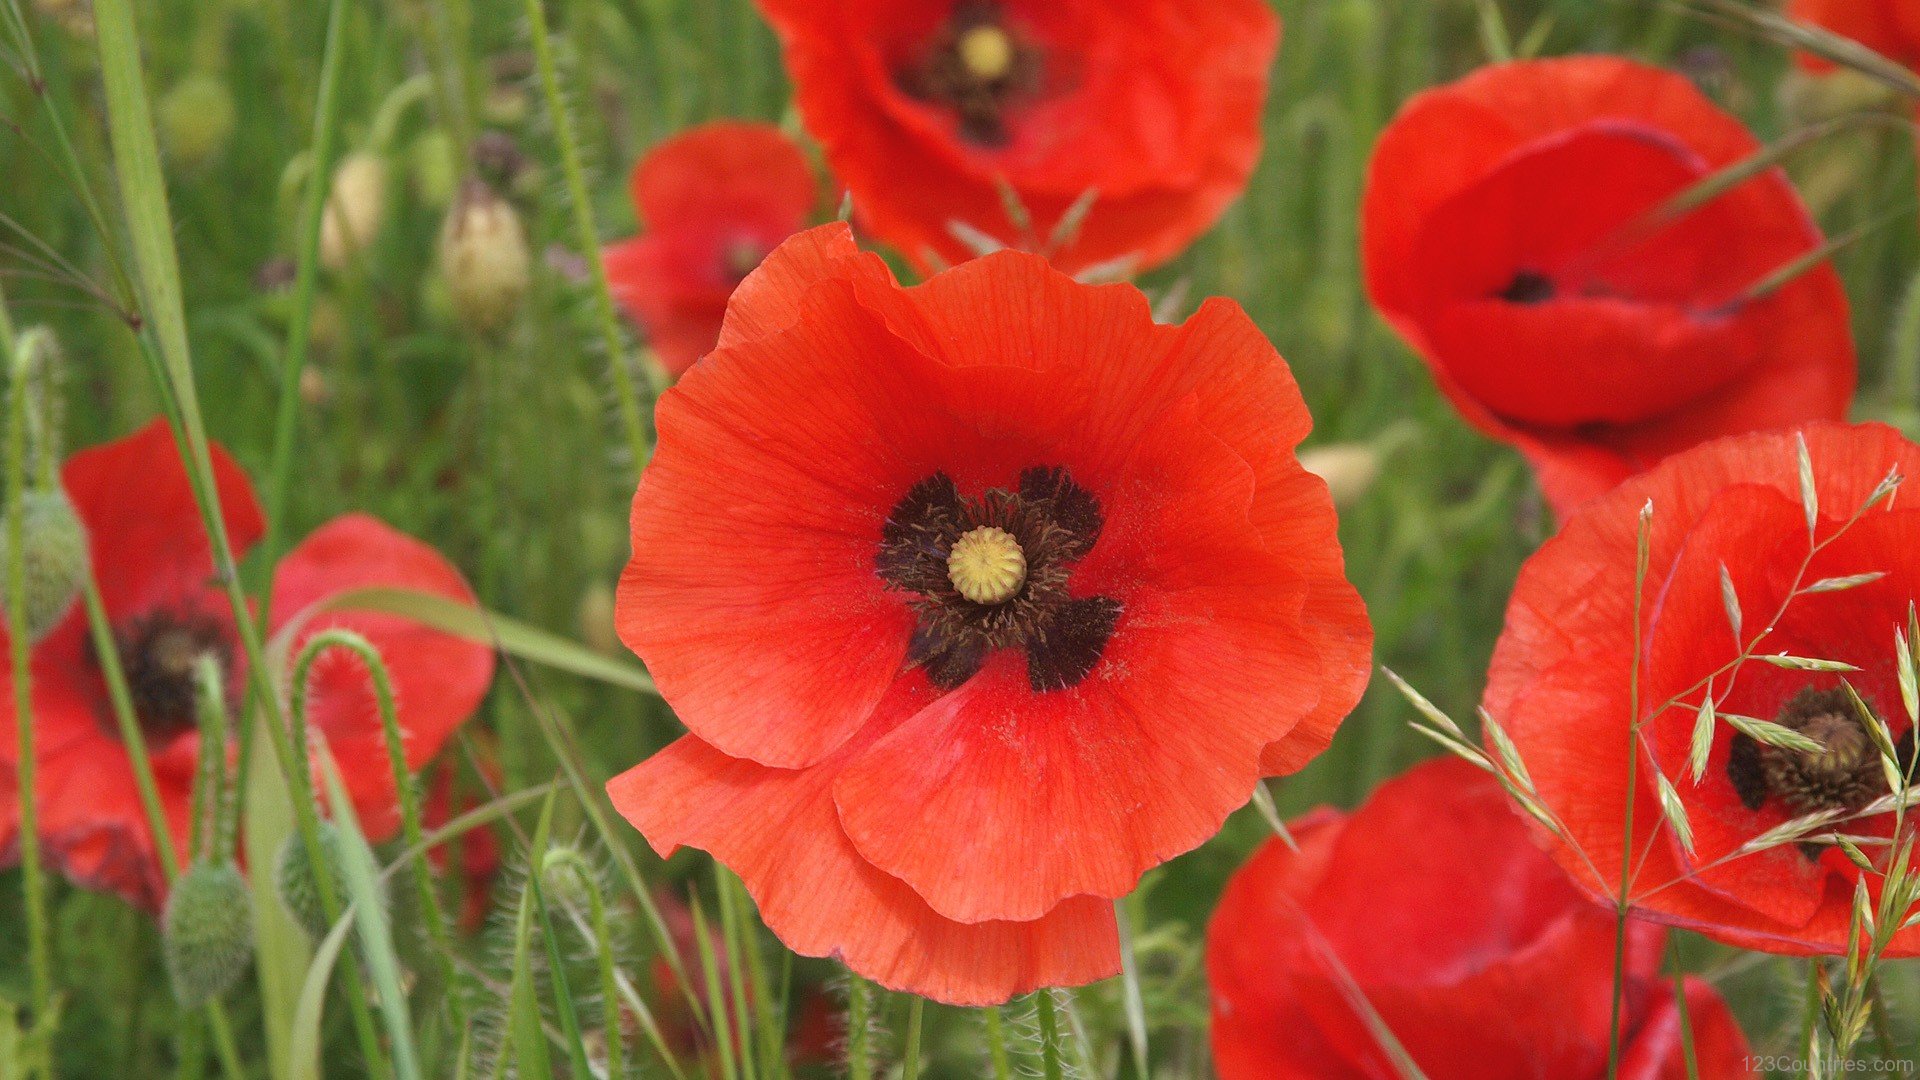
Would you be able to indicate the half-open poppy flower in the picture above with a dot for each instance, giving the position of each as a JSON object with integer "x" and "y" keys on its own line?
{"x": 715, "y": 199}
{"x": 933, "y": 111}
{"x": 1473, "y": 948}
{"x": 1888, "y": 27}
{"x": 980, "y": 599}
{"x": 155, "y": 567}
{"x": 1563, "y": 676}
{"x": 1510, "y": 238}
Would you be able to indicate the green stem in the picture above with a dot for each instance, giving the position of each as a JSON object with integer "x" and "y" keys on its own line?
{"x": 326, "y": 125}
{"x": 33, "y": 881}
{"x": 297, "y": 769}
{"x": 859, "y": 1028}
{"x": 1049, "y": 1035}
{"x": 1626, "y": 833}
{"x": 910, "y": 1059}
{"x": 403, "y": 785}
{"x": 997, "y": 1044}
{"x": 587, "y": 236}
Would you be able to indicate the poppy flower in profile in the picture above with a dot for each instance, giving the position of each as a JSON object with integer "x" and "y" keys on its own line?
{"x": 979, "y": 599}
{"x": 1470, "y": 945}
{"x": 932, "y": 111}
{"x": 1509, "y": 237}
{"x": 715, "y": 198}
{"x": 1564, "y": 667}
{"x": 1888, "y": 27}
{"x": 155, "y": 568}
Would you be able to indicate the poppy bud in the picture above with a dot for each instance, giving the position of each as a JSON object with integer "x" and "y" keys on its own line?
{"x": 1348, "y": 468}
{"x": 197, "y": 118}
{"x": 433, "y": 163}
{"x": 596, "y": 620}
{"x": 300, "y": 891}
{"x": 483, "y": 253}
{"x": 207, "y": 932}
{"x": 53, "y": 553}
{"x": 73, "y": 16}
{"x": 565, "y": 876}
{"x": 354, "y": 208}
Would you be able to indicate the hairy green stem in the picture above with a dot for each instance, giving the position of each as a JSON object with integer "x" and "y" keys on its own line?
{"x": 1049, "y": 1035}
{"x": 32, "y": 878}
{"x": 587, "y": 236}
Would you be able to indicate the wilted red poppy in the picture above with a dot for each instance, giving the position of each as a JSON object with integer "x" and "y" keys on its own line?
{"x": 1888, "y": 27}
{"x": 1471, "y": 946}
{"x": 155, "y": 567}
{"x": 931, "y": 111}
{"x": 1563, "y": 671}
{"x": 980, "y": 599}
{"x": 1507, "y": 239}
{"x": 715, "y": 199}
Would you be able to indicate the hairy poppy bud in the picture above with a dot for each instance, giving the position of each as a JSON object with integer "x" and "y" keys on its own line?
{"x": 53, "y": 553}
{"x": 300, "y": 890}
{"x": 197, "y": 118}
{"x": 483, "y": 253}
{"x": 566, "y": 876}
{"x": 354, "y": 208}
{"x": 207, "y": 932}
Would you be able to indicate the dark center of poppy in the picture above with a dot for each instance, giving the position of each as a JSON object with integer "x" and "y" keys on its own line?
{"x": 158, "y": 653}
{"x": 1529, "y": 287}
{"x": 1845, "y": 774}
{"x": 991, "y": 573}
{"x": 977, "y": 66}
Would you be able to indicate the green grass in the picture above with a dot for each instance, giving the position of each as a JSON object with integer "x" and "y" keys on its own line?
{"x": 512, "y": 454}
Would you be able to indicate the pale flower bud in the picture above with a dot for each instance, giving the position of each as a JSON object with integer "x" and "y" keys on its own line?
{"x": 1348, "y": 468}
{"x": 355, "y": 206}
{"x": 484, "y": 257}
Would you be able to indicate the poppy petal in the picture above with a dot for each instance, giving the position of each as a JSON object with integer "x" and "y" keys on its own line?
{"x": 777, "y": 830}
{"x": 143, "y": 526}
{"x": 438, "y": 679}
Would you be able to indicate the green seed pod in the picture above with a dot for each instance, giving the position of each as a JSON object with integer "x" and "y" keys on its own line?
{"x": 54, "y": 556}
{"x": 300, "y": 891}
{"x": 197, "y": 119}
{"x": 207, "y": 932}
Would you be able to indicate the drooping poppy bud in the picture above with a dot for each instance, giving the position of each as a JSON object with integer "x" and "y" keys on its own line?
{"x": 299, "y": 887}
{"x": 207, "y": 933}
{"x": 53, "y": 551}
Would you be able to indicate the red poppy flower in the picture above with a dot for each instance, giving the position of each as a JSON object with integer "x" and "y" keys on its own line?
{"x": 1471, "y": 946}
{"x": 716, "y": 199}
{"x": 155, "y": 567}
{"x": 930, "y": 110}
{"x": 475, "y": 855}
{"x": 1888, "y": 27}
{"x": 1562, "y": 671}
{"x": 1506, "y": 240}
{"x": 980, "y": 599}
